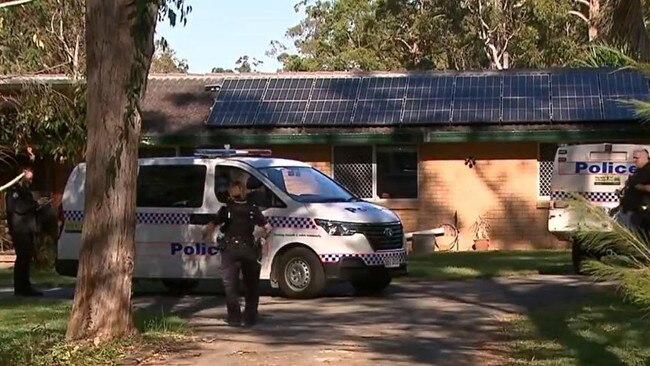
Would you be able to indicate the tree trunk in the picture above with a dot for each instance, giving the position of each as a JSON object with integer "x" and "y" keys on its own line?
{"x": 102, "y": 302}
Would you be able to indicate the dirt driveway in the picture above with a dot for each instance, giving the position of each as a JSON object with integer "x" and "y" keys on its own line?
{"x": 444, "y": 323}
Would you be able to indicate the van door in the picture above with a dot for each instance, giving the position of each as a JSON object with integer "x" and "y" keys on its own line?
{"x": 168, "y": 243}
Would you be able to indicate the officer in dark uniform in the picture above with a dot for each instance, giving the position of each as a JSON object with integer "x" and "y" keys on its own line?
{"x": 241, "y": 252}
{"x": 22, "y": 210}
{"x": 636, "y": 194}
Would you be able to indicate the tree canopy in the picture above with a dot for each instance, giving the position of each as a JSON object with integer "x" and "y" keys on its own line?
{"x": 465, "y": 34}
{"x": 164, "y": 59}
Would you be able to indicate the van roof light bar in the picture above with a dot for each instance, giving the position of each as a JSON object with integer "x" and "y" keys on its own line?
{"x": 228, "y": 152}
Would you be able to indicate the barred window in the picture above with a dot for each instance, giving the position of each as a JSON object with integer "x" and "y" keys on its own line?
{"x": 352, "y": 168}
{"x": 545, "y": 159}
{"x": 388, "y": 172}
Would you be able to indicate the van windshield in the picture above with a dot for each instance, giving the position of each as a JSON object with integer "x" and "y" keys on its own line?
{"x": 307, "y": 185}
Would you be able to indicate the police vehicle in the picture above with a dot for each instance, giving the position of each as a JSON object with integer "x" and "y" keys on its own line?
{"x": 598, "y": 173}
{"x": 320, "y": 231}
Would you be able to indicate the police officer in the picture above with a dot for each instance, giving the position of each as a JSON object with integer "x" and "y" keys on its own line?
{"x": 635, "y": 202}
{"x": 22, "y": 210}
{"x": 238, "y": 219}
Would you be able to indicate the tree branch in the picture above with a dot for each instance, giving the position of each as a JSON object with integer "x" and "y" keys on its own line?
{"x": 13, "y": 3}
{"x": 580, "y": 15}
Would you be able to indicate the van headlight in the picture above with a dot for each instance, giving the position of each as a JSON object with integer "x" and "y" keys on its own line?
{"x": 335, "y": 228}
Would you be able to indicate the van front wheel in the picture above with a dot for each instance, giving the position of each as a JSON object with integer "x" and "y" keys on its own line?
{"x": 300, "y": 274}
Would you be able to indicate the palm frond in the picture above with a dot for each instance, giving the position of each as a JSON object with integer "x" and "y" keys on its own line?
{"x": 601, "y": 54}
{"x": 624, "y": 253}
{"x": 598, "y": 231}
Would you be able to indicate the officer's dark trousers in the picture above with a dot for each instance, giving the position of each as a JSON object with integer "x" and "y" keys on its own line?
{"x": 23, "y": 242}
{"x": 231, "y": 265}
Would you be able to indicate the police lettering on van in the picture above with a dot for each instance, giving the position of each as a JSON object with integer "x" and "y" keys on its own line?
{"x": 194, "y": 249}
{"x": 589, "y": 168}
{"x": 606, "y": 167}
{"x": 320, "y": 231}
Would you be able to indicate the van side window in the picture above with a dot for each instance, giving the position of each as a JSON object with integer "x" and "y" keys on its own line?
{"x": 256, "y": 191}
{"x": 171, "y": 185}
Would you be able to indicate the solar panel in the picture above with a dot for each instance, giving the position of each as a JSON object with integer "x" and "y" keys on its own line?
{"x": 282, "y": 113}
{"x": 575, "y": 97}
{"x": 428, "y": 100}
{"x": 332, "y": 101}
{"x": 477, "y": 99}
{"x": 526, "y": 98}
{"x": 242, "y": 89}
{"x": 513, "y": 97}
{"x": 618, "y": 89}
{"x": 290, "y": 89}
{"x": 380, "y": 101}
{"x": 233, "y": 113}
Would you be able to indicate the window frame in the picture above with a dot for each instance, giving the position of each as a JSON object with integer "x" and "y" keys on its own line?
{"x": 281, "y": 203}
{"x": 374, "y": 147}
{"x": 205, "y": 168}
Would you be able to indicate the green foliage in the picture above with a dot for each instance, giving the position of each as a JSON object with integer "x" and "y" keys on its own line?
{"x": 437, "y": 34}
{"x": 624, "y": 253}
{"x": 45, "y": 36}
{"x": 502, "y": 263}
{"x": 599, "y": 329}
{"x": 50, "y": 118}
{"x": 164, "y": 59}
{"x": 32, "y": 333}
{"x": 600, "y": 54}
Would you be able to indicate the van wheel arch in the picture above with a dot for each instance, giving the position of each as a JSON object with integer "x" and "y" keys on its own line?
{"x": 319, "y": 275}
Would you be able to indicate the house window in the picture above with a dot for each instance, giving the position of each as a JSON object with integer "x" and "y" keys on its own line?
{"x": 372, "y": 172}
{"x": 171, "y": 185}
{"x": 545, "y": 159}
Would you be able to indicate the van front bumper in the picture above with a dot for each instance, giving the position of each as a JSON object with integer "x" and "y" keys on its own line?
{"x": 347, "y": 268}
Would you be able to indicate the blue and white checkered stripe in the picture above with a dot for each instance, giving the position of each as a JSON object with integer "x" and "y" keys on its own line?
{"x": 149, "y": 218}
{"x": 370, "y": 259}
{"x": 590, "y": 196}
{"x": 292, "y": 222}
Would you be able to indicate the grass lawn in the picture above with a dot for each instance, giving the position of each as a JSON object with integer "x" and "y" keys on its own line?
{"x": 600, "y": 330}
{"x": 32, "y": 332}
{"x": 463, "y": 265}
{"x": 45, "y": 277}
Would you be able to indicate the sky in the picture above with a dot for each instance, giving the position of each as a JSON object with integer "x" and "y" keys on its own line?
{"x": 218, "y": 32}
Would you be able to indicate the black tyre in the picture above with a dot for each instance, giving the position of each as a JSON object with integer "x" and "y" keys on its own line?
{"x": 577, "y": 256}
{"x": 371, "y": 285}
{"x": 300, "y": 274}
{"x": 180, "y": 286}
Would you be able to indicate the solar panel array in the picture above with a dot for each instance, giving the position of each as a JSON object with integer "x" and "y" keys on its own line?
{"x": 580, "y": 95}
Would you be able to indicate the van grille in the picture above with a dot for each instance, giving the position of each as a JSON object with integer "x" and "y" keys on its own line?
{"x": 376, "y": 235}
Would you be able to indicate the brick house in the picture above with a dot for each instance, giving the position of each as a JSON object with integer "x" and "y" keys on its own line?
{"x": 435, "y": 147}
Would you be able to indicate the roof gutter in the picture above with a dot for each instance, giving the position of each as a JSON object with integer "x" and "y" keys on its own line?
{"x": 333, "y": 137}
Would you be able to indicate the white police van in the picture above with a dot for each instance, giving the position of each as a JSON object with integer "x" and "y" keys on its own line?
{"x": 597, "y": 172}
{"x": 320, "y": 231}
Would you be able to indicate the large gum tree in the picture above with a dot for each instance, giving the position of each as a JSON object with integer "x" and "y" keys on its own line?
{"x": 119, "y": 47}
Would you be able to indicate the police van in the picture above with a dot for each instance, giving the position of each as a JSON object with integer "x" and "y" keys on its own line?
{"x": 320, "y": 231}
{"x": 597, "y": 172}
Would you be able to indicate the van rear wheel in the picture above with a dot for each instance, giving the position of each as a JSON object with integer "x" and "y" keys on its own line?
{"x": 180, "y": 286}
{"x": 301, "y": 274}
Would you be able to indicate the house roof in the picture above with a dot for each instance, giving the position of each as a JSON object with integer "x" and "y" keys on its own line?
{"x": 177, "y": 106}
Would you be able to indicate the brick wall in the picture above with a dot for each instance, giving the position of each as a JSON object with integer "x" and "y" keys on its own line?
{"x": 502, "y": 187}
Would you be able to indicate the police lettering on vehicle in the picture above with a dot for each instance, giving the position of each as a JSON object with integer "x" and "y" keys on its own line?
{"x": 605, "y": 167}
{"x": 194, "y": 249}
